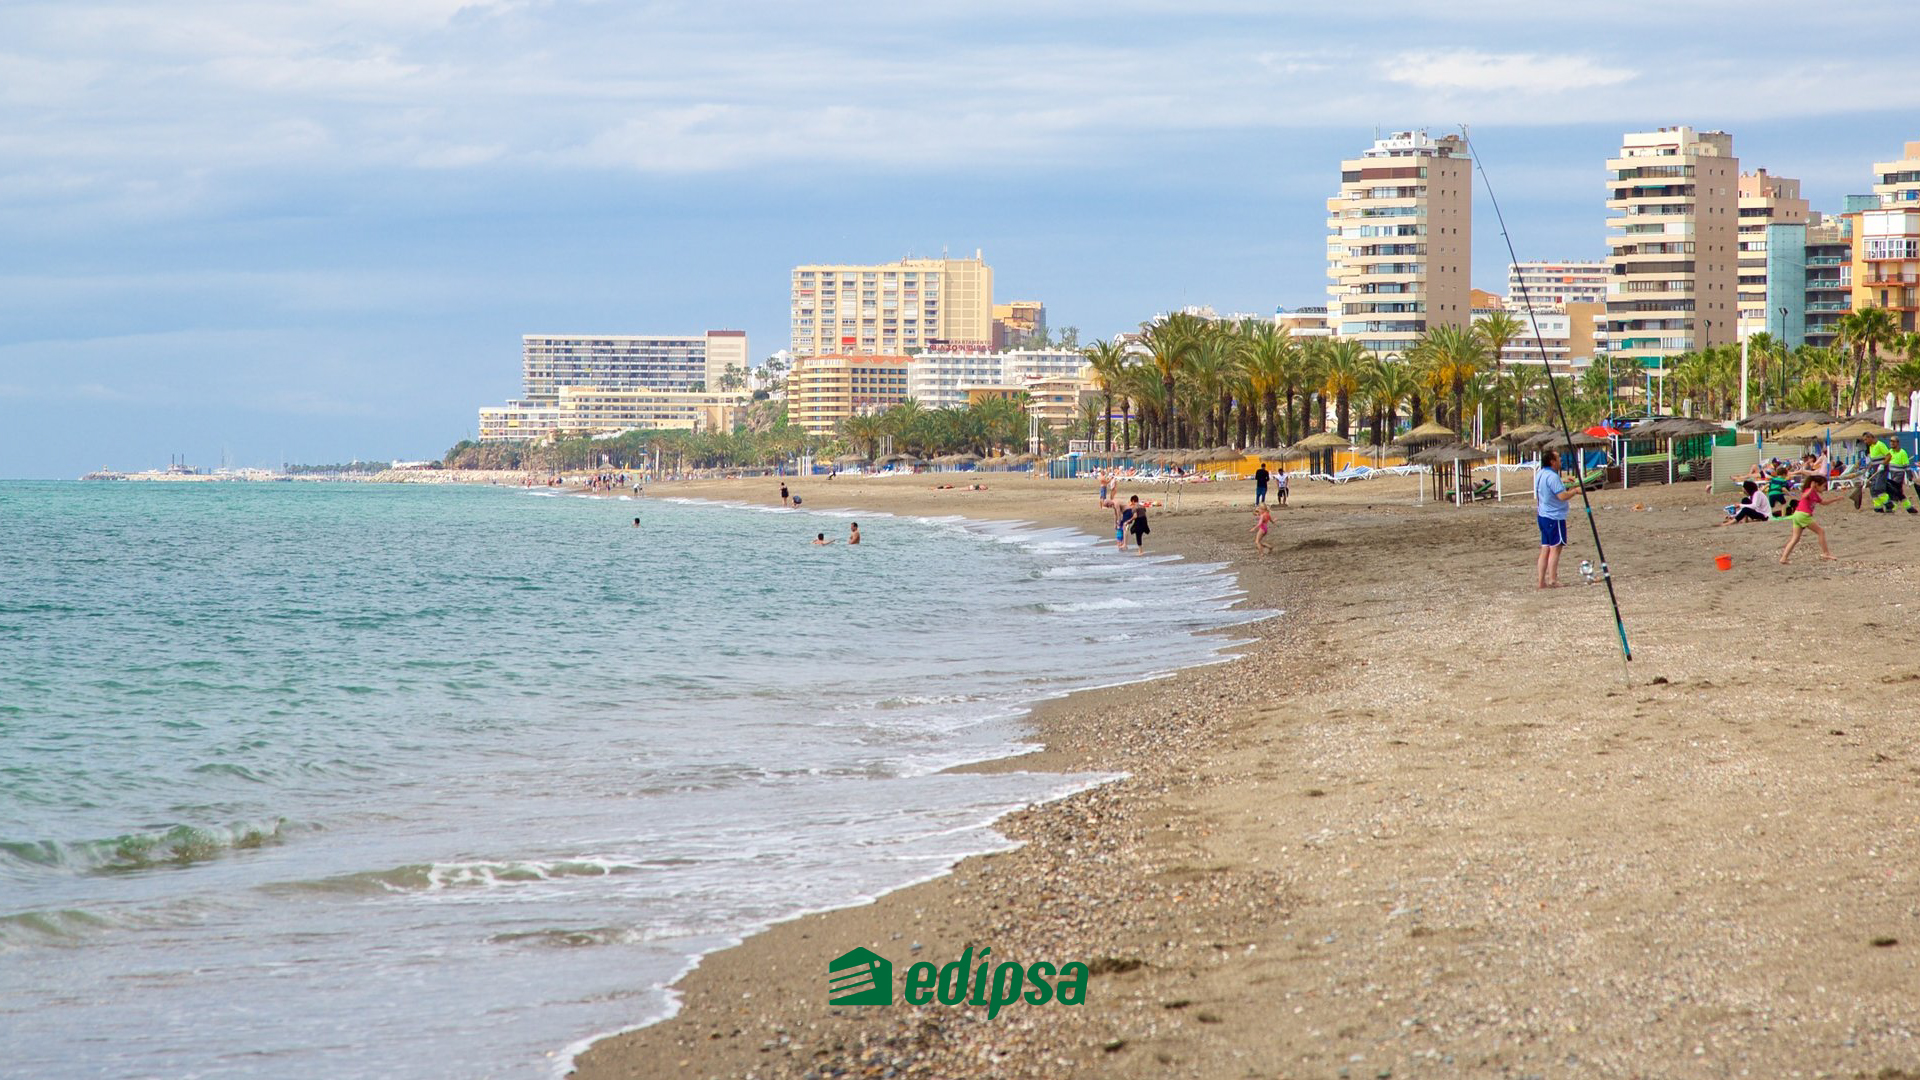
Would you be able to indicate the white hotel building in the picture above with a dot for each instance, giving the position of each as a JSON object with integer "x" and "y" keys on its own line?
{"x": 941, "y": 378}
{"x": 597, "y": 383}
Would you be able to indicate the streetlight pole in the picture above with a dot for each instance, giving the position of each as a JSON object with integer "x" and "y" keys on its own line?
{"x": 1783, "y": 357}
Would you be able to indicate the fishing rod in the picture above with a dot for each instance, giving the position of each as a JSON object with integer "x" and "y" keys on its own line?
{"x": 1559, "y": 406}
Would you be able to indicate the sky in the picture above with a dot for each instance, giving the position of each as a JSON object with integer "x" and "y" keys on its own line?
{"x": 264, "y": 231}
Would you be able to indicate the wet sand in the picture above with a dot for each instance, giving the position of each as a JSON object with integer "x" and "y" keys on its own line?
{"x": 1428, "y": 823}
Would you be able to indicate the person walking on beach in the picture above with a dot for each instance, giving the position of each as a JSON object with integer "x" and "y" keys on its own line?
{"x": 1262, "y": 521}
{"x": 853, "y": 536}
{"x": 1550, "y": 497}
{"x": 1280, "y": 487}
{"x": 1122, "y": 517}
{"x": 1261, "y": 477}
{"x": 785, "y": 499}
{"x": 1802, "y": 519}
{"x": 1138, "y": 526}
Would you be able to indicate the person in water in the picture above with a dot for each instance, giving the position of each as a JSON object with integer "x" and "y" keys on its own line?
{"x": 1138, "y": 527}
{"x": 636, "y": 523}
{"x": 853, "y": 536}
{"x": 820, "y": 540}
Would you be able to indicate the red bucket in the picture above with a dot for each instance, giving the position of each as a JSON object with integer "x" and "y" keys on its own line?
{"x": 1724, "y": 562}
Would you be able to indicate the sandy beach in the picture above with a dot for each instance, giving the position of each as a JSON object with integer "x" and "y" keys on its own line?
{"x": 1426, "y": 824}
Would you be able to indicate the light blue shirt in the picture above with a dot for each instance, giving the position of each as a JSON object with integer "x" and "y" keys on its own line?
{"x": 1547, "y": 487}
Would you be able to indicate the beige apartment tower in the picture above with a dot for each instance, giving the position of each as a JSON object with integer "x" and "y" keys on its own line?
{"x": 1672, "y": 234}
{"x": 1399, "y": 234}
{"x": 1898, "y": 182}
{"x": 1764, "y": 200}
{"x": 891, "y": 308}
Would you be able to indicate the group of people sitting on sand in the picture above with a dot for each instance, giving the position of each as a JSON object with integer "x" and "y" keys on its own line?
{"x": 1882, "y": 471}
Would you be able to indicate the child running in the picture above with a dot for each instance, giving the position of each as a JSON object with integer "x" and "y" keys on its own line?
{"x": 1802, "y": 519}
{"x": 1262, "y": 521}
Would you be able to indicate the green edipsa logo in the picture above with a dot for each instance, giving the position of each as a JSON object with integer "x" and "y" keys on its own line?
{"x": 864, "y": 977}
{"x": 861, "y": 977}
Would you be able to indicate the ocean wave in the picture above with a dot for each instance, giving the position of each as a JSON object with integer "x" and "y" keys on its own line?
{"x": 480, "y": 873}
{"x": 1114, "y": 603}
{"x": 65, "y": 926}
{"x": 178, "y": 845}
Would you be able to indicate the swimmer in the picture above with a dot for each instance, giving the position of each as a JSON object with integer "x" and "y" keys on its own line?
{"x": 853, "y": 537}
{"x": 820, "y": 540}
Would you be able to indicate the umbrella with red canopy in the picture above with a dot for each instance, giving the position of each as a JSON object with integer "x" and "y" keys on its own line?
{"x": 1602, "y": 431}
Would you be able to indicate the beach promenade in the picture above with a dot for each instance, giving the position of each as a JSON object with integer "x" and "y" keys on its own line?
{"x": 1425, "y": 825}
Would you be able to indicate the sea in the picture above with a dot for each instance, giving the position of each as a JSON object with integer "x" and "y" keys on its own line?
{"x": 368, "y": 781}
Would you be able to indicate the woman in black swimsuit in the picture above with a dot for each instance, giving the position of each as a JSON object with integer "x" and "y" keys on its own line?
{"x": 1138, "y": 526}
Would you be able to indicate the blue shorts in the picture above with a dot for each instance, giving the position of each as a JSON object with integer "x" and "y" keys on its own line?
{"x": 1553, "y": 531}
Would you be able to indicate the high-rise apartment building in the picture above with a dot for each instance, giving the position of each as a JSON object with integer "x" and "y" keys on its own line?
{"x": 1019, "y": 325}
{"x": 1899, "y": 181}
{"x": 596, "y": 383}
{"x": 1399, "y": 237}
{"x": 1829, "y": 279}
{"x": 1556, "y": 284}
{"x": 823, "y": 390}
{"x": 1765, "y": 200}
{"x": 628, "y": 362}
{"x": 1671, "y": 259}
{"x": 890, "y": 308}
{"x": 1886, "y": 260}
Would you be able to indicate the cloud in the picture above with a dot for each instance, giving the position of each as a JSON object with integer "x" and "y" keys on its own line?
{"x": 1509, "y": 73}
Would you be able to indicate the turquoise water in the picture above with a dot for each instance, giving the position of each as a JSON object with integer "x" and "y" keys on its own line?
{"x": 364, "y": 781}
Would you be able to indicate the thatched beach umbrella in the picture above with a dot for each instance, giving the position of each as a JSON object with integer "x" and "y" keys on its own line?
{"x": 1767, "y": 421}
{"x": 1326, "y": 440}
{"x": 1450, "y": 453}
{"x": 1430, "y": 432}
{"x": 1861, "y": 429}
{"x": 1805, "y": 431}
{"x": 1878, "y": 416}
{"x": 1515, "y": 436}
{"x": 1449, "y": 463}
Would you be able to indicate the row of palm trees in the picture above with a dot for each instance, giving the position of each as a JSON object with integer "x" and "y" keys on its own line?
{"x": 1189, "y": 381}
{"x": 982, "y": 428}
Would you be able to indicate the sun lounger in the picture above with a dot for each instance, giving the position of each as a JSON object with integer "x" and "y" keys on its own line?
{"x": 1481, "y": 490}
{"x": 1594, "y": 479}
{"x": 1351, "y": 472}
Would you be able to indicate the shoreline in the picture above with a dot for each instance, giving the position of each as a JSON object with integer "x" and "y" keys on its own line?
{"x": 1034, "y": 753}
{"x": 1424, "y": 825}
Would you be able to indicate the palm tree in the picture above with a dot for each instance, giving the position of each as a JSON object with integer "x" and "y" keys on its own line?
{"x": 1457, "y": 355}
{"x": 1498, "y": 329}
{"x": 1346, "y": 364}
{"x": 1148, "y": 394}
{"x": 1109, "y": 361}
{"x": 1388, "y": 384}
{"x": 864, "y": 428}
{"x": 1865, "y": 332}
{"x": 1169, "y": 344}
{"x": 1211, "y": 364}
{"x": 1268, "y": 355}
